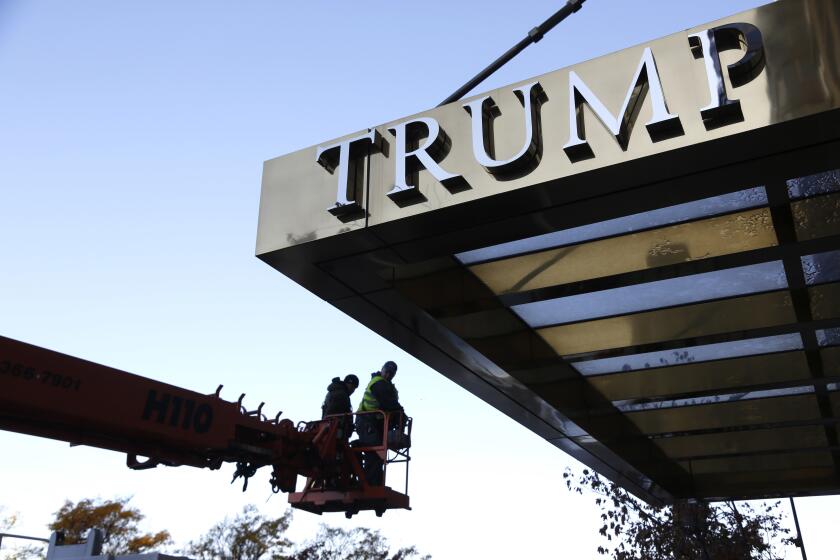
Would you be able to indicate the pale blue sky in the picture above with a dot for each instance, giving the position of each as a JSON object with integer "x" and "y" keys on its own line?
{"x": 132, "y": 136}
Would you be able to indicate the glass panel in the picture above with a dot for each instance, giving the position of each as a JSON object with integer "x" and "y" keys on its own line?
{"x": 817, "y": 217}
{"x": 756, "y": 463}
{"x": 831, "y": 361}
{"x": 753, "y": 346}
{"x": 443, "y": 288}
{"x": 726, "y": 415}
{"x": 825, "y": 301}
{"x": 741, "y": 200}
{"x": 739, "y": 314}
{"x": 822, "y": 267}
{"x": 828, "y": 337}
{"x": 742, "y": 442}
{"x": 831, "y": 366}
{"x": 812, "y": 185}
{"x": 646, "y": 404}
{"x": 483, "y": 324}
{"x": 721, "y": 375}
{"x": 803, "y": 480}
{"x": 764, "y": 277}
{"x": 712, "y": 237}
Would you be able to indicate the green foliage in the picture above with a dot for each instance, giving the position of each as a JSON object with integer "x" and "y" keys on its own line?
{"x": 248, "y": 536}
{"x": 688, "y": 530}
{"x": 252, "y": 536}
{"x": 118, "y": 521}
{"x": 334, "y": 543}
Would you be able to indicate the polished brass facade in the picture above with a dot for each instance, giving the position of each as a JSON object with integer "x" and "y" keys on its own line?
{"x": 662, "y": 303}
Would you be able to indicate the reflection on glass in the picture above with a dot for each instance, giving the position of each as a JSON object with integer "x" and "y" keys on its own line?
{"x": 748, "y": 347}
{"x": 812, "y": 185}
{"x": 828, "y": 337}
{"x": 737, "y": 443}
{"x": 821, "y": 267}
{"x": 771, "y": 463}
{"x": 653, "y": 248}
{"x": 721, "y": 376}
{"x": 641, "y": 404}
{"x": 825, "y": 301}
{"x": 830, "y": 356}
{"x": 764, "y": 277}
{"x": 794, "y": 408}
{"x": 674, "y": 323}
{"x": 816, "y": 217}
{"x": 731, "y": 202}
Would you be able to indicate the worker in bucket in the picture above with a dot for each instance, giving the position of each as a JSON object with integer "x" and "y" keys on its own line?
{"x": 380, "y": 395}
{"x": 337, "y": 401}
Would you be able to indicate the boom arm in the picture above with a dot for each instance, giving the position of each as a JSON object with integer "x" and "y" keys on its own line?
{"x": 53, "y": 395}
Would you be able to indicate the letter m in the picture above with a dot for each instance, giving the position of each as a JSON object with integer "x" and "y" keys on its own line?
{"x": 661, "y": 126}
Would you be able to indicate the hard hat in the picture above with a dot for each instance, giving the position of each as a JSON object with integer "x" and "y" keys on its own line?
{"x": 352, "y": 380}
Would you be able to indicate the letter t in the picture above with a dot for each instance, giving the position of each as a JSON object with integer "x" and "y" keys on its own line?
{"x": 344, "y": 156}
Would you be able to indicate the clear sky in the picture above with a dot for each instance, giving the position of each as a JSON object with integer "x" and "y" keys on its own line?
{"x": 132, "y": 136}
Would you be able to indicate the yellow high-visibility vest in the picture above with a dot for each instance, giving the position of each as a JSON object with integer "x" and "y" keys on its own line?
{"x": 369, "y": 402}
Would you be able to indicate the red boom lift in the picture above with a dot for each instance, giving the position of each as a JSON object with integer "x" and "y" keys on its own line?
{"x": 48, "y": 394}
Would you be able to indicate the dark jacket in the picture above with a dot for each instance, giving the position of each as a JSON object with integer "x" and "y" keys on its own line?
{"x": 337, "y": 400}
{"x": 369, "y": 426}
{"x": 386, "y": 394}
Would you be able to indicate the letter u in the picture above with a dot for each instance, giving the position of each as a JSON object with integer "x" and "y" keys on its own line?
{"x": 484, "y": 111}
